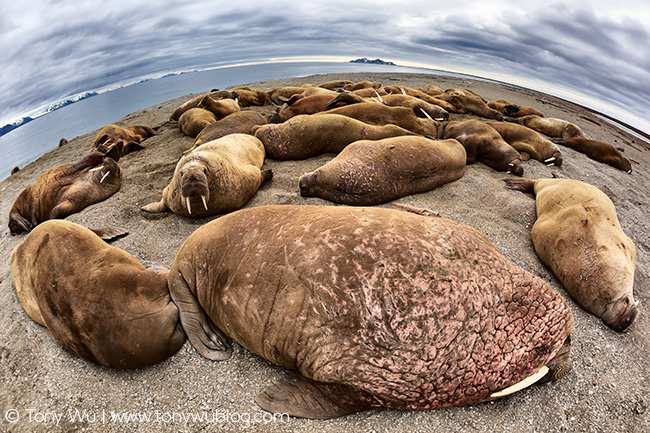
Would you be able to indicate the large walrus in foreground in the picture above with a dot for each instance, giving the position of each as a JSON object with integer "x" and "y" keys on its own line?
{"x": 369, "y": 172}
{"x": 98, "y": 301}
{"x": 217, "y": 177}
{"x": 372, "y": 307}
{"x": 66, "y": 189}
{"x": 578, "y": 236}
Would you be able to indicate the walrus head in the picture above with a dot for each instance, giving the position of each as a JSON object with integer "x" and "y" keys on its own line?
{"x": 621, "y": 313}
{"x": 515, "y": 167}
{"x": 194, "y": 184}
{"x": 306, "y": 182}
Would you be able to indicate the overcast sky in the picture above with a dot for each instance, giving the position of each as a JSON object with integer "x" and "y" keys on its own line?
{"x": 594, "y": 52}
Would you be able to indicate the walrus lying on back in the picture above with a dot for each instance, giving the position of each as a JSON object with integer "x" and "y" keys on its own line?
{"x": 98, "y": 301}
{"x": 126, "y": 139}
{"x": 578, "y": 236}
{"x": 66, "y": 189}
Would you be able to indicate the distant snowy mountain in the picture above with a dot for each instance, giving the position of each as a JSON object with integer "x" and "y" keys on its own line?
{"x": 60, "y": 104}
{"x": 376, "y": 61}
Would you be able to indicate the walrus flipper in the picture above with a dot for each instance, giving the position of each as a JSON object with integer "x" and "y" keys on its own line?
{"x": 110, "y": 233}
{"x": 298, "y": 396}
{"x": 156, "y": 207}
{"x": 18, "y": 224}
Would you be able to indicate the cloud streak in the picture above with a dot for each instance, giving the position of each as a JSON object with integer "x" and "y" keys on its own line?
{"x": 52, "y": 50}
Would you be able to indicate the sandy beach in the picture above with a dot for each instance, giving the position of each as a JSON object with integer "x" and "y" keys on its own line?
{"x": 607, "y": 390}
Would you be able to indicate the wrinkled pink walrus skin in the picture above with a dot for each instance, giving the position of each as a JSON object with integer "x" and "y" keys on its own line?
{"x": 386, "y": 307}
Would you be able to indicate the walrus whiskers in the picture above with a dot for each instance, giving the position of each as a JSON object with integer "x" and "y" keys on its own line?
{"x": 521, "y": 385}
{"x": 105, "y": 175}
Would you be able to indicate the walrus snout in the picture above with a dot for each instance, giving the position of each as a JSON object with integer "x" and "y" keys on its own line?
{"x": 305, "y": 183}
{"x": 628, "y": 309}
{"x": 516, "y": 168}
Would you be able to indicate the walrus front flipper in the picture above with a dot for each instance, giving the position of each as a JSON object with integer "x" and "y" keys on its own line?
{"x": 298, "y": 396}
{"x": 155, "y": 207}
{"x": 110, "y": 233}
{"x": 523, "y": 184}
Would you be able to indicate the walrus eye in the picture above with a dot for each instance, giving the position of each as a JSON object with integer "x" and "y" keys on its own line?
{"x": 205, "y": 171}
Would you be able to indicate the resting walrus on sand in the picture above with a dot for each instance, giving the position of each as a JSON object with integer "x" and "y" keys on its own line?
{"x": 98, "y": 301}
{"x": 578, "y": 236}
{"x": 372, "y": 307}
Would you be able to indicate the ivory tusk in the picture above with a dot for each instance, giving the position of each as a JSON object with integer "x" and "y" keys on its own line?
{"x": 104, "y": 177}
{"x": 425, "y": 113}
{"x": 378, "y": 95}
{"x": 548, "y": 165}
{"x": 402, "y": 89}
{"x": 96, "y": 168}
{"x": 511, "y": 165}
{"x": 550, "y": 159}
{"x": 508, "y": 172}
{"x": 187, "y": 204}
{"x": 205, "y": 205}
{"x": 521, "y": 385}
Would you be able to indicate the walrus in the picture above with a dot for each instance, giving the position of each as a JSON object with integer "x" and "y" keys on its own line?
{"x": 578, "y": 236}
{"x": 248, "y": 96}
{"x": 334, "y": 85}
{"x": 371, "y": 172}
{"x": 361, "y": 85}
{"x": 195, "y": 120}
{"x": 528, "y": 143}
{"x": 380, "y": 114}
{"x": 304, "y": 136}
{"x": 15, "y": 170}
{"x": 468, "y": 103}
{"x": 598, "y": 151}
{"x": 220, "y": 107}
{"x": 509, "y": 109}
{"x": 305, "y": 105}
{"x": 371, "y": 307}
{"x": 218, "y": 177}
{"x": 126, "y": 139}
{"x": 419, "y": 107}
{"x": 279, "y": 95}
{"x": 483, "y": 143}
{"x": 195, "y": 101}
{"x": 420, "y": 94}
{"x": 98, "y": 301}
{"x": 549, "y": 126}
{"x": 240, "y": 122}
{"x": 66, "y": 189}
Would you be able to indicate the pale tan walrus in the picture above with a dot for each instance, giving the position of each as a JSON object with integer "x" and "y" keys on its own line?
{"x": 578, "y": 236}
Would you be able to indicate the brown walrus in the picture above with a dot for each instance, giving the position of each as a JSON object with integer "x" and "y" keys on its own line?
{"x": 419, "y": 107}
{"x": 549, "y": 126}
{"x": 305, "y": 105}
{"x": 218, "y": 177}
{"x": 195, "y": 120}
{"x": 468, "y": 103}
{"x": 126, "y": 139}
{"x": 66, "y": 189}
{"x": 578, "y": 236}
{"x": 248, "y": 96}
{"x": 371, "y": 172}
{"x": 484, "y": 144}
{"x": 509, "y": 109}
{"x": 528, "y": 143}
{"x": 336, "y": 84}
{"x": 195, "y": 101}
{"x": 220, "y": 107}
{"x": 420, "y": 94}
{"x": 304, "y": 136}
{"x": 598, "y": 151}
{"x": 240, "y": 122}
{"x": 380, "y": 114}
{"x": 372, "y": 307}
{"x": 98, "y": 301}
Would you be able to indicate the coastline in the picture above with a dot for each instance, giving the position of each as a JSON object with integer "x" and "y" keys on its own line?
{"x": 606, "y": 390}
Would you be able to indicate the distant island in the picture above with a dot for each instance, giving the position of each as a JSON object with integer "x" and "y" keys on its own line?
{"x": 10, "y": 127}
{"x": 376, "y": 61}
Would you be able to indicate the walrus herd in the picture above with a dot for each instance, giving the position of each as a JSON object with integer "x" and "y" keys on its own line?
{"x": 370, "y": 307}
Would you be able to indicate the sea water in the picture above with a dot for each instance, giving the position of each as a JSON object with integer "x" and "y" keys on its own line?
{"x": 33, "y": 139}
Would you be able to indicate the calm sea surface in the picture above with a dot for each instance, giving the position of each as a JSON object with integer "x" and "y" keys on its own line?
{"x": 28, "y": 142}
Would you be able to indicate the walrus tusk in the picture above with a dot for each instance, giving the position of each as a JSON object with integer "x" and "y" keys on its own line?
{"x": 187, "y": 203}
{"x": 96, "y": 168}
{"x": 521, "y": 385}
{"x": 205, "y": 205}
{"x": 511, "y": 165}
{"x": 425, "y": 113}
{"x": 550, "y": 159}
{"x": 629, "y": 172}
{"x": 378, "y": 95}
{"x": 402, "y": 89}
{"x": 548, "y": 165}
{"x": 104, "y": 177}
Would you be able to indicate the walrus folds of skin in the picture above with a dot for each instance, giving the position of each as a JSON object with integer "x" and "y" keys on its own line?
{"x": 484, "y": 144}
{"x": 529, "y": 143}
{"x": 240, "y": 122}
{"x": 380, "y": 308}
{"x": 217, "y": 177}
{"x": 98, "y": 301}
{"x": 195, "y": 120}
{"x": 64, "y": 190}
{"x": 304, "y": 136}
{"x": 127, "y": 139}
{"x": 371, "y": 172}
{"x": 549, "y": 126}
{"x": 194, "y": 102}
{"x": 578, "y": 236}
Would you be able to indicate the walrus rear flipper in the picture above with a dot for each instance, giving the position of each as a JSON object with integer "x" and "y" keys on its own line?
{"x": 523, "y": 184}
{"x": 110, "y": 233}
{"x": 298, "y": 396}
{"x": 131, "y": 146}
{"x": 18, "y": 224}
